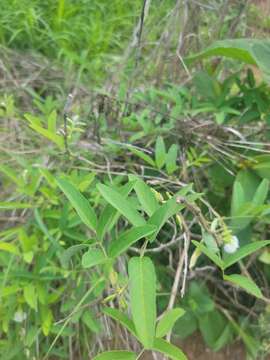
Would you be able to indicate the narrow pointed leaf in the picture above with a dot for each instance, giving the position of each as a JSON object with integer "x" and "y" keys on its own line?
{"x": 116, "y": 355}
{"x": 168, "y": 320}
{"x": 160, "y": 152}
{"x": 171, "y": 159}
{"x": 245, "y": 283}
{"x": 142, "y": 284}
{"x": 238, "y": 198}
{"x": 14, "y": 205}
{"x": 261, "y": 193}
{"x": 121, "y": 318}
{"x": 79, "y": 203}
{"x": 244, "y": 251}
{"x": 146, "y": 196}
{"x": 119, "y": 202}
{"x": 168, "y": 349}
{"x": 143, "y": 156}
{"x": 162, "y": 214}
{"x": 128, "y": 238}
{"x": 110, "y": 214}
{"x": 209, "y": 253}
{"x": 93, "y": 257}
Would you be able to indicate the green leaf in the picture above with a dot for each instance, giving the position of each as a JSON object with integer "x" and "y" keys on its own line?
{"x": 30, "y": 296}
{"x": 245, "y": 283}
{"x": 121, "y": 318}
{"x": 209, "y": 253}
{"x": 261, "y": 193}
{"x": 171, "y": 159}
{"x": 243, "y": 252}
{"x": 142, "y": 284}
{"x": 143, "y": 156}
{"x": 128, "y": 238}
{"x": 168, "y": 349}
{"x": 160, "y": 152}
{"x": 116, "y": 355}
{"x": 237, "y": 49}
{"x": 110, "y": 215}
{"x": 57, "y": 139}
{"x": 145, "y": 195}
{"x": 238, "y": 198}
{"x": 262, "y": 166}
{"x": 93, "y": 257}
{"x": 46, "y": 319}
{"x": 250, "y": 51}
{"x": 91, "y": 322}
{"x": 14, "y": 205}
{"x": 162, "y": 214}
{"x": 168, "y": 320}
{"x": 79, "y": 202}
{"x": 119, "y": 202}
{"x": 52, "y": 122}
{"x": 9, "y": 247}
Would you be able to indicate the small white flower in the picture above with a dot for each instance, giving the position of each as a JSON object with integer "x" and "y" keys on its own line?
{"x": 19, "y": 316}
{"x": 232, "y": 246}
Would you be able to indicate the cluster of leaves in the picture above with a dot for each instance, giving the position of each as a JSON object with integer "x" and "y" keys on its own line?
{"x": 76, "y": 218}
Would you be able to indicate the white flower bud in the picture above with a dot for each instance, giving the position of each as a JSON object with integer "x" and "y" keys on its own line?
{"x": 232, "y": 246}
{"x": 19, "y": 316}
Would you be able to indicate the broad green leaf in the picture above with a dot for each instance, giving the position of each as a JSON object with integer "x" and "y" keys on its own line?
{"x": 171, "y": 159}
{"x": 129, "y": 237}
{"x": 245, "y": 283}
{"x": 250, "y": 51}
{"x": 168, "y": 349}
{"x": 243, "y": 252}
{"x": 239, "y": 49}
{"x": 46, "y": 319}
{"x": 146, "y": 196}
{"x": 160, "y": 152}
{"x": 119, "y": 202}
{"x": 262, "y": 166}
{"x": 168, "y": 320}
{"x": 261, "y": 193}
{"x": 30, "y": 296}
{"x": 121, "y": 318}
{"x": 93, "y": 257}
{"x": 142, "y": 285}
{"x": 116, "y": 355}
{"x": 210, "y": 242}
{"x": 143, "y": 156}
{"x": 14, "y": 205}
{"x": 110, "y": 215}
{"x": 238, "y": 198}
{"x": 9, "y": 247}
{"x": 209, "y": 253}
{"x": 79, "y": 202}
{"x": 162, "y": 214}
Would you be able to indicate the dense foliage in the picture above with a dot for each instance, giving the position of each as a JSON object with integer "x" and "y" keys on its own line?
{"x": 131, "y": 216}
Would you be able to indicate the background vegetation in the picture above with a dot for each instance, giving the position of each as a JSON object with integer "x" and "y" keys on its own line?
{"x": 135, "y": 174}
